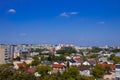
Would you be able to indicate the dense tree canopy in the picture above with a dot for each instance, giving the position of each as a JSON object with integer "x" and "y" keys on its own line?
{"x": 35, "y": 61}
{"x": 95, "y": 50}
{"x": 116, "y": 59}
{"x": 67, "y": 50}
{"x": 98, "y": 71}
{"x": 43, "y": 70}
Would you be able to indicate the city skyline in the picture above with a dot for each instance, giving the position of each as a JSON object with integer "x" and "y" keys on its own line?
{"x": 81, "y": 22}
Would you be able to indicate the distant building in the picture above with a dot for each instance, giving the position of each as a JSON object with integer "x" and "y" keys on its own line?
{"x": 84, "y": 70}
{"x": 16, "y": 54}
{"x": 117, "y": 71}
{"x": 11, "y": 51}
{"x": 4, "y": 54}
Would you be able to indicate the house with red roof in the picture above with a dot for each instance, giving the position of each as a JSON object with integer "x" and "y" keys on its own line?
{"x": 58, "y": 67}
{"x": 105, "y": 64}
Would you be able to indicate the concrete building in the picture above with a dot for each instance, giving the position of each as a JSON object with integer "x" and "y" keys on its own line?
{"x": 4, "y": 54}
{"x": 16, "y": 54}
{"x": 117, "y": 71}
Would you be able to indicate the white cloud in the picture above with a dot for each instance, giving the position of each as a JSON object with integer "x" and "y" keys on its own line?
{"x": 12, "y": 11}
{"x": 73, "y": 13}
{"x": 23, "y": 34}
{"x": 64, "y": 14}
{"x": 68, "y": 14}
{"x": 101, "y": 22}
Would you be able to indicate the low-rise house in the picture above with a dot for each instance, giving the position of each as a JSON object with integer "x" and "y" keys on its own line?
{"x": 103, "y": 59}
{"x": 67, "y": 57}
{"x": 84, "y": 70}
{"x": 58, "y": 67}
{"x": 105, "y": 64}
{"x": 110, "y": 76}
{"x": 18, "y": 64}
{"x": 86, "y": 63}
{"x": 34, "y": 53}
{"x": 106, "y": 53}
{"x": 92, "y": 62}
{"x": 73, "y": 62}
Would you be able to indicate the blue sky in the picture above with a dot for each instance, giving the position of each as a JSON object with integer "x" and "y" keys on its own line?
{"x": 81, "y": 22}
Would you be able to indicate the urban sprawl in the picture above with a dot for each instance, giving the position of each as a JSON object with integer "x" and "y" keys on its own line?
{"x": 59, "y": 62}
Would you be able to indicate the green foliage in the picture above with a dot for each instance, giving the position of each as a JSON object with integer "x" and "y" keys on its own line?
{"x": 38, "y": 50}
{"x": 98, "y": 71}
{"x": 22, "y": 76}
{"x": 6, "y": 74}
{"x": 111, "y": 56}
{"x": 17, "y": 58}
{"x": 60, "y": 58}
{"x": 116, "y": 59}
{"x": 107, "y": 69}
{"x": 6, "y": 65}
{"x": 25, "y": 56}
{"x": 49, "y": 77}
{"x": 68, "y": 50}
{"x": 116, "y": 50}
{"x": 82, "y": 77}
{"x": 43, "y": 70}
{"x": 49, "y": 58}
{"x": 35, "y": 61}
{"x": 71, "y": 73}
{"x": 95, "y": 50}
{"x": 94, "y": 56}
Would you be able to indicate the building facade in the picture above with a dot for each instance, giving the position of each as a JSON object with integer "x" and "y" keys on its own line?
{"x": 117, "y": 71}
{"x": 4, "y": 54}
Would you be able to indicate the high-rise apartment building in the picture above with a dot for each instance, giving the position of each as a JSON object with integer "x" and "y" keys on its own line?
{"x": 4, "y": 54}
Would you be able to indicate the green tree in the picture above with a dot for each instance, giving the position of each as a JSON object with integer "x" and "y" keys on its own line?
{"x": 116, "y": 59}
{"x": 95, "y": 50}
{"x": 94, "y": 56}
{"x": 67, "y": 50}
{"x": 82, "y": 77}
{"x": 35, "y": 61}
{"x": 43, "y": 70}
{"x": 17, "y": 58}
{"x": 98, "y": 71}
{"x": 107, "y": 69}
{"x": 111, "y": 56}
{"x": 116, "y": 50}
{"x": 5, "y": 73}
{"x": 71, "y": 73}
{"x": 22, "y": 76}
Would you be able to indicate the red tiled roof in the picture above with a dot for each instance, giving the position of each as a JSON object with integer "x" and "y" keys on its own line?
{"x": 77, "y": 59}
{"x": 58, "y": 66}
{"x": 112, "y": 66}
{"x": 82, "y": 68}
{"x": 104, "y": 64}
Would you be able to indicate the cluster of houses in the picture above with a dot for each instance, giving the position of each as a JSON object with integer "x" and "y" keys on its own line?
{"x": 75, "y": 59}
{"x": 84, "y": 67}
